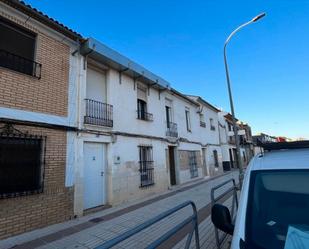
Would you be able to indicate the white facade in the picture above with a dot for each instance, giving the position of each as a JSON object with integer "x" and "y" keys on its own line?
{"x": 146, "y": 138}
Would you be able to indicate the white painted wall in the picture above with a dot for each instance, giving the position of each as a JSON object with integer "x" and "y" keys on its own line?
{"x": 123, "y": 97}
{"x": 122, "y": 167}
{"x": 124, "y": 174}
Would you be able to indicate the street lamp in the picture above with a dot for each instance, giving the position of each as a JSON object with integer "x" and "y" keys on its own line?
{"x": 239, "y": 163}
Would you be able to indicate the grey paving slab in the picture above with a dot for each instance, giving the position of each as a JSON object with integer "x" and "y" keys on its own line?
{"x": 103, "y": 231}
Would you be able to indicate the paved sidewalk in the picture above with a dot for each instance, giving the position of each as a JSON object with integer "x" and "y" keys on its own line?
{"x": 94, "y": 229}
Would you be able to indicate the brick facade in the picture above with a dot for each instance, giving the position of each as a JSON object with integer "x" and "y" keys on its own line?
{"x": 48, "y": 94}
{"x": 55, "y": 204}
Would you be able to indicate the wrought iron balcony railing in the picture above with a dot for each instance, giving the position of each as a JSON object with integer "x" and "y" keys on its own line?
{"x": 20, "y": 64}
{"x": 142, "y": 115}
{"x": 98, "y": 113}
{"x": 171, "y": 129}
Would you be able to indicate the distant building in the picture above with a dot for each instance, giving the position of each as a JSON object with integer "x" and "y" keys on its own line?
{"x": 246, "y": 142}
{"x": 228, "y": 143}
{"x": 264, "y": 138}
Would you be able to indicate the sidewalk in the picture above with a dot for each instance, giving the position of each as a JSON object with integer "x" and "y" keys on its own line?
{"x": 92, "y": 230}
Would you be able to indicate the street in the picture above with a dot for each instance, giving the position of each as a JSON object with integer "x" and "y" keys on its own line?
{"x": 94, "y": 229}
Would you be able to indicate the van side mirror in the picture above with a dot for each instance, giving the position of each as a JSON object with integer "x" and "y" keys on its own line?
{"x": 221, "y": 218}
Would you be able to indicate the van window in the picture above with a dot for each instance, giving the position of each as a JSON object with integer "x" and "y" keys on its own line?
{"x": 278, "y": 203}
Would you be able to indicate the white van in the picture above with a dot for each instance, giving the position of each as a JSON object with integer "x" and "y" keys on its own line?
{"x": 273, "y": 209}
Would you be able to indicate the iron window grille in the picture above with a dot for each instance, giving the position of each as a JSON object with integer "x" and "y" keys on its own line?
{"x": 22, "y": 161}
{"x": 171, "y": 129}
{"x": 98, "y": 113}
{"x": 193, "y": 164}
{"x": 146, "y": 166}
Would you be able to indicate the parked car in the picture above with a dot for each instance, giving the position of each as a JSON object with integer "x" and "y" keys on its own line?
{"x": 273, "y": 209}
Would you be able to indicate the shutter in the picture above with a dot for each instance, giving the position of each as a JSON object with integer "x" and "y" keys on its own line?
{"x": 142, "y": 93}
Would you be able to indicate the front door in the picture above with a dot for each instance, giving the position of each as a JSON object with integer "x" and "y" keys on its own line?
{"x": 235, "y": 158}
{"x": 205, "y": 170}
{"x": 171, "y": 156}
{"x": 93, "y": 175}
{"x": 231, "y": 158}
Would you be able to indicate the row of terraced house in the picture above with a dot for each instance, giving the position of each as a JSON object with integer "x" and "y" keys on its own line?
{"x": 82, "y": 126}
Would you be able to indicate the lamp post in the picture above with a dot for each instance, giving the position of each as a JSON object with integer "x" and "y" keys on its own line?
{"x": 239, "y": 163}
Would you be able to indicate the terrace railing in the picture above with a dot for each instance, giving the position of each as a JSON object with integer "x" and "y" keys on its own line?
{"x": 98, "y": 113}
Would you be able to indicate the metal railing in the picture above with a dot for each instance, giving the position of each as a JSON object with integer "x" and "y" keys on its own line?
{"x": 230, "y": 191}
{"x": 20, "y": 64}
{"x": 171, "y": 129}
{"x": 202, "y": 124}
{"x": 193, "y": 219}
{"x": 142, "y": 115}
{"x": 98, "y": 113}
{"x": 146, "y": 171}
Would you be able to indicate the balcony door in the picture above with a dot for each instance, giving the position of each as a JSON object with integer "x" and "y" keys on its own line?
{"x": 96, "y": 85}
{"x": 168, "y": 113}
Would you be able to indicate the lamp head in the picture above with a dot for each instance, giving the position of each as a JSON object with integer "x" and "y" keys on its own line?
{"x": 258, "y": 17}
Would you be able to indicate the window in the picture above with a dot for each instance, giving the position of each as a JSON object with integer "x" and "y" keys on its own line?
{"x": 17, "y": 49}
{"x": 212, "y": 126}
{"x": 171, "y": 128}
{"x": 216, "y": 159}
{"x": 22, "y": 174}
{"x": 188, "y": 122}
{"x": 142, "y": 113}
{"x": 141, "y": 109}
{"x": 146, "y": 166}
{"x": 230, "y": 127}
{"x": 168, "y": 113}
{"x": 277, "y": 212}
{"x": 193, "y": 164}
{"x": 202, "y": 120}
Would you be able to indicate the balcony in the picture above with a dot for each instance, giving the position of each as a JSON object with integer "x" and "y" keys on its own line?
{"x": 142, "y": 115}
{"x": 202, "y": 124}
{"x": 20, "y": 64}
{"x": 98, "y": 113}
{"x": 171, "y": 129}
{"x": 212, "y": 127}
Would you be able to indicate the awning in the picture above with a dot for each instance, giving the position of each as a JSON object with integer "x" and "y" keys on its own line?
{"x": 101, "y": 53}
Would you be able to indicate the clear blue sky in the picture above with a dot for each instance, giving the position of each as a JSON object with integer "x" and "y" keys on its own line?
{"x": 182, "y": 42}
